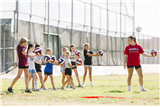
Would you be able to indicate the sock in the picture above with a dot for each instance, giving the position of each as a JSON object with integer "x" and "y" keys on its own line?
{"x": 83, "y": 83}
{"x": 28, "y": 84}
{"x": 129, "y": 87}
{"x": 35, "y": 85}
{"x": 91, "y": 82}
{"x": 142, "y": 87}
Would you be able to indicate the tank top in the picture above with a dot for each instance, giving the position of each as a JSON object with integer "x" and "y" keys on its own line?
{"x": 73, "y": 57}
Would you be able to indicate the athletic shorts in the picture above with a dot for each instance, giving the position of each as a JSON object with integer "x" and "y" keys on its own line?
{"x": 32, "y": 71}
{"x": 136, "y": 67}
{"x": 73, "y": 64}
{"x": 47, "y": 73}
{"x": 38, "y": 67}
{"x": 88, "y": 66}
{"x": 62, "y": 70}
{"x": 68, "y": 71}
{"x": 22, "y": 67}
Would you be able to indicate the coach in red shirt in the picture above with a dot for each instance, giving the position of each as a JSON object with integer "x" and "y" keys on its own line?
{"x": 132, "y": 59}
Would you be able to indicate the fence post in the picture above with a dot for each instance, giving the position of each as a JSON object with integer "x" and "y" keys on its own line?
{"x": 107, "y": 34}
{"x": 48, "y": 26}
{"x": 71, "y": 23}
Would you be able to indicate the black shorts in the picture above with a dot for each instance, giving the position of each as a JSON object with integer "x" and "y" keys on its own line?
{"x": 22, "y": 67}
{"x": 38, "y": 67}
{"x": 47, "y": 73}
{"x": 73, "y": 63}
{"x": 136, "y": 67}
{"x": 68, "y": 71}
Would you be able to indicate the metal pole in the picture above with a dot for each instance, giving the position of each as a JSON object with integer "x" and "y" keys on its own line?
{"x": 158, "y": 50}
{"x": 3, "y": 30}
{"x": 120, "y": 36}
{"x": 143, "y": 47}
{"x": 17, "y": 9}
{"x": 30, "y": 20}
{"x": 14, "y": 39}
{"x": 116, "y": 53}
{"x": 153, "y": 48}
{"x": 91, "y": 25}
{"x": 107, "y": 35}
{"x": 72, "y": 23}
{"x": 148, "y": 48}
{"x": 48, "y": 26}
{"x": 133, "y": 17}
{"x": 58, "y": 27}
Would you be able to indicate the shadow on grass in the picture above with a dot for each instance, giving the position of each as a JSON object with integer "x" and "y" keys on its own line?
{"x": 137, "y": 92}
{"x": 115, "y": 91}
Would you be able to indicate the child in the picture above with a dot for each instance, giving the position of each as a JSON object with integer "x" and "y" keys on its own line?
{"x": 32, "y": 61}
{"x": 88, "y": 63}
{"x": 63, "y": 66}
{"x": 22, "y": 64}
{"x": 48, "y": 70}
{"x": 38, "y": 69}
{"x": 73, "y": 62}
{"x": 68, "y": 70}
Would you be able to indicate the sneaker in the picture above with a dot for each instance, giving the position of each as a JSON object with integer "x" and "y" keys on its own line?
{"x": 62, "y": 88}
{"x": 10, "y": 90}
{"x": 45, "y": 89}
{"x": 80, "y": 86}
{"x": 130, "y": 90}
{"x": 33, "y": 88}
{"x": 74, "y": 88}
{"x": 36, "y": 89}
{"x": 143, "y": 90}
{"x": 68, "y": 85}
{"x": 54, "y": 88}
{"x": 83, "y": 84}
{"x": 28, "y": 91}
{"x": 41, "y": 88}
{"x": 92, "y": 84}
{"x": 71, "y": 87}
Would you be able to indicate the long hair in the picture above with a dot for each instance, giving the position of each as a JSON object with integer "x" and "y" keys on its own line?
{"x": 23, "y": 40}
{"x": 134, "y": 38}
{"x": 85, "y": 45}
{"x": 72, "y": 46}
{"x": 30, "y": 45}
{"x": 66, "y": 54}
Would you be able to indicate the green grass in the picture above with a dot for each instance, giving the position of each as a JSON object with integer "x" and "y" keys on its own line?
{"x": 113, "y": 85}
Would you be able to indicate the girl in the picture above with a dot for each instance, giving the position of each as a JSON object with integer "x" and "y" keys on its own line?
{"x": 32, "y": 70}
{"x": 48, "y": 70}
{"x": 22, "y": 64}
{"x": 63, "y": 66}
{"x": 132, "y": 59}
{"x": 88, "y": 63}
{"x": 68, "y": 70}
{"x": 73, "y": 62}
{"x": 38, "y": 68}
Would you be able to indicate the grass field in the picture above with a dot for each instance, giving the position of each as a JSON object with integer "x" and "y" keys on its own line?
{"x": 113, "y": 86}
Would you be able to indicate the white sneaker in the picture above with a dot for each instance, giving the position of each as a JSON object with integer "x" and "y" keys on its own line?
{"x": 74, "y": 88}
{"x": 68, "y": 85}
{"x": 83, "y": 84}
{"x": 143, "y": 90}
{"x": 130, "y": 90}
{"x": 92, "y": 85}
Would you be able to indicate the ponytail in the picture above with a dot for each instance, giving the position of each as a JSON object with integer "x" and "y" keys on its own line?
{"x": 134, "y": 38}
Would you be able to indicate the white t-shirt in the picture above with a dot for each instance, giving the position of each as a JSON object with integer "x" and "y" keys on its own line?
{"x": 31, "y": 61}
{"x": 73, "y": 57}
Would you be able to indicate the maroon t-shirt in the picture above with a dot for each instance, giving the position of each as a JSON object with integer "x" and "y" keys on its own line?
{"x": 133, "y": 53}
{"x": 23, "y": 59}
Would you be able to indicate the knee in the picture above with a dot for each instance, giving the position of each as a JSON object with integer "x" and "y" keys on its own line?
{"x": 129, "y": 77}
{"x": 18, "y": 77}
{"x": 85, "y": 73}
{"x": 141, "y": 76}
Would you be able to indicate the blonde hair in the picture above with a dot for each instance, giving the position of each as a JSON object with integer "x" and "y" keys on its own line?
{"x": 23, "y": 40}
{"x": 67, "y": 53}
{"x": 85, "y": 45}
{"x": 64, "y": 49}
{"x": 48, "y": 49}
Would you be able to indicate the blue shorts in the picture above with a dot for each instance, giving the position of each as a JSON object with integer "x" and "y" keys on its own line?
{"x": 62, "y": 70}
{"x": 32, "y": 71}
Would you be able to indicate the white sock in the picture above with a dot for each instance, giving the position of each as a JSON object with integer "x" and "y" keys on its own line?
{"x": 83, "y": 83}
{"x": 91, "y": 82}
{"x": 28, "y": 85}
{"x": 129, "y": 87}
{"x": 35, "y": 85}
{"x": 142, "y": 87}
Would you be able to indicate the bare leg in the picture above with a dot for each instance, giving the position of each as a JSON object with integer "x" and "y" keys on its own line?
{"x": 130, "y": 73}
{"x": 77, "y": 76}
{"x": 45, "y": 78}
{"x": 85, "y": 73}
{"x": 41, "y": 79}
{"x": 17, "y": 77}
{"x": 26, "y": 77}
{"x": 63, "y": 77}
{"x": 139, "y": 72}
{"x": 51, "y": 78}
{"x": 90, "y": 73}
{"x": 68, "y": 78}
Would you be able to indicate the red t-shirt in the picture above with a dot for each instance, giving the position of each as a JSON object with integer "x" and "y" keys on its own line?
{"x": 23, "y": 59}
{"x": 133, "y": 53}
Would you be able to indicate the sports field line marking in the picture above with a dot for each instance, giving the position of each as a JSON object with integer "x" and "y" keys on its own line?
{"x": 116, "y": 97}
